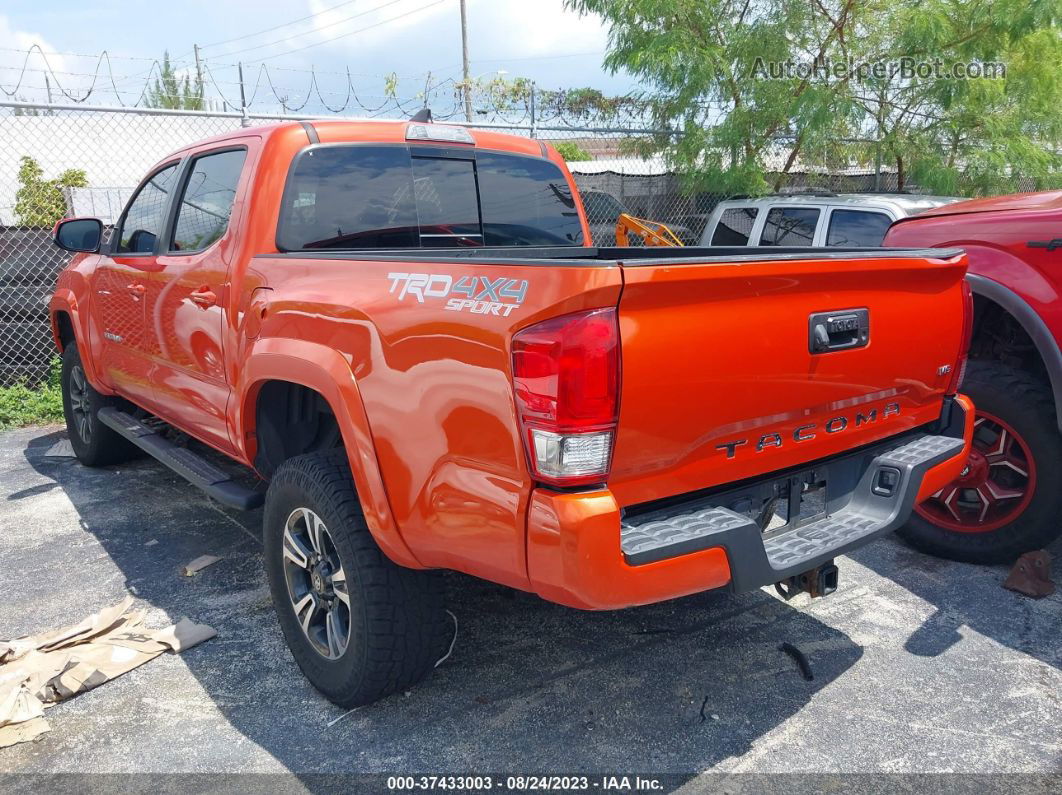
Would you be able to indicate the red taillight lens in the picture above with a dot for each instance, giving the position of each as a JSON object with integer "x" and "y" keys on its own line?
{"x": 964, "y": 343}
{"x": 566, "y": 382}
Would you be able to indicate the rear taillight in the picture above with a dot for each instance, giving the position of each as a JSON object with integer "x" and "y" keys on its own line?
{"x": 964, "y": 343}
{"x": 566, "y": 382}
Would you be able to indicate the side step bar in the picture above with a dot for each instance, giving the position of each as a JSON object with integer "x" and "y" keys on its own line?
{"x": 193, "y": 468}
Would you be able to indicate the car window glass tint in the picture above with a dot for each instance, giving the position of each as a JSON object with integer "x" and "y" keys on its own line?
{"x": 789, "y": 226}
{"x": 207, "y": 200}
{"x": 734, "y": 226}
{"x": 350, "y": 197}
{"x": 447, "y": 204}
{"x": 526, "y": 202}
{"x": 857, "y": 228}
{"x": 147, "y": 213}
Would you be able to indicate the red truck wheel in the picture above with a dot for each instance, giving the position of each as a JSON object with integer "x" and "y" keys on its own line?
{"x": 359, "y": 626}
{"x": 1005, "y": 502}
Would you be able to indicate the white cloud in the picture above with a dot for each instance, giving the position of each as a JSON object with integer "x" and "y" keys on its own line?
{"x": 28, "y": 85}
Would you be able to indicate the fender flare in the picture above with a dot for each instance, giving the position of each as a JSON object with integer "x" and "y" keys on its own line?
{"x": 65, "y": 300}
{"x": 1034, "y": 326}
{"x": 327, "y": 372}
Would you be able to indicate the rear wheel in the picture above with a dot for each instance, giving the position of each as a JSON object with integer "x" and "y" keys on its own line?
{"x": 359, "y": 626}
{"x": 93, "y": 443}
{"x": 1007, "y": 500}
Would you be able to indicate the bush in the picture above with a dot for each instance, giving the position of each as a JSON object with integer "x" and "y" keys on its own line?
{"x": 20, "y": 405}
{"x": 39, "y": 202}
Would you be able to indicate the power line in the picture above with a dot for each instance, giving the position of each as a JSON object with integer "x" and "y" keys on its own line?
{"x": 351, "y": 33}
{"x": 307, "y": 32}
{"x": 276, "y": 27}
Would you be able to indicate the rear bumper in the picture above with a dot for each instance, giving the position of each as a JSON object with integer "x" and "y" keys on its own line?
{"x": 584, "y": 552}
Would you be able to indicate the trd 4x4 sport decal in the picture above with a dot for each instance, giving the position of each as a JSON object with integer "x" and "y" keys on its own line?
{"x": 477, "y": 294}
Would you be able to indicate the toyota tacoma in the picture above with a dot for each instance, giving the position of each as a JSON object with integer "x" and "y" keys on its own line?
{"x": 404, "y": 330}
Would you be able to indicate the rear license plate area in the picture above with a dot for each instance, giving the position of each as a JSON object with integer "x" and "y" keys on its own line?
{"x": 783, "y": 503}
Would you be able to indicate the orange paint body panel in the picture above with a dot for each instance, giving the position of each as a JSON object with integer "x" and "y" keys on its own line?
{"x": 713, "y": 357}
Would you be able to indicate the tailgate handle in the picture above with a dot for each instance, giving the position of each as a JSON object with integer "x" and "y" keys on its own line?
{"x": 840, "y": 330}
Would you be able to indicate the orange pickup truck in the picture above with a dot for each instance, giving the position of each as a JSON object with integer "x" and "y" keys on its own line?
{"x": 404, "y": 329}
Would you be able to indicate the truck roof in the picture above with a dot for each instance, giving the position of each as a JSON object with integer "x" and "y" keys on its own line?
{"x": 902, "y": 203}
{"x": 382, "y": 131}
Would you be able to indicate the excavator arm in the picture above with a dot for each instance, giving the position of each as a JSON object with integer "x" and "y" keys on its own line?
{"x": 652, "y": 233}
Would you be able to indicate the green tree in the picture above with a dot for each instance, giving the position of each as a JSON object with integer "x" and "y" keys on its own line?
{"x": 571, "y": 151}
{"x": 175, "y": 92}
{"x": 39, "y": 202}
{"x": 706, "y": 64}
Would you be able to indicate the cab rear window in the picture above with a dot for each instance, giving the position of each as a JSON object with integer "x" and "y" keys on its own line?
{"x": 354, "y": 197}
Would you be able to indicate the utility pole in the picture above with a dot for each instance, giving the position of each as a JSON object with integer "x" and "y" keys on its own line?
{"x": 244, "y": 121}
{"x": 464, "y": 62}
{"x": 199, "y": 78}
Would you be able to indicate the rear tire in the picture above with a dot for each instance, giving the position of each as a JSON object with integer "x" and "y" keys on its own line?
{"x": 94, "y": 443}
{"x": 1014, "y": 411}
{"x": 359, "y": 626}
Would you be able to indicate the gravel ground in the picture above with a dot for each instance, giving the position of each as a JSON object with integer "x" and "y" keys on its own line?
{"x": 920, "y": 665}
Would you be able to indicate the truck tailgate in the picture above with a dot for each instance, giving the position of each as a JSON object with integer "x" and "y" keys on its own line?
{"x": 720, "y": 382}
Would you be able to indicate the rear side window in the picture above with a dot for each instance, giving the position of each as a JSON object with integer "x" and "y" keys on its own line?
{"x": 857, "y": 228}
{"x": 734, "y": 226}
{"x": 350, "y": 197}
{"x": 146, "y": 214}
{"x": 206, "y": 204}
{"x": 789, "y": 226}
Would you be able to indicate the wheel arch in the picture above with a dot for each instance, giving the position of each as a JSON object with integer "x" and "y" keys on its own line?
{"x": 67, "y": 325}
{"x": 327, "y": 373}
{"x": 1034, "y": 326}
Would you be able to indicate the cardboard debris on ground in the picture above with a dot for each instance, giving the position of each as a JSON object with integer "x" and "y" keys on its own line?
{"x": 40, "y": 670}
{"x": 61, "y": 449}
{"x": 197, "y": 565}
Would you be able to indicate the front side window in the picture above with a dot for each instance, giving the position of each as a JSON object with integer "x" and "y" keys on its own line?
{"x": 146, "y": 214}
{"x": 206, "y": 204}
{"x": 789, "y": 226}
{"x": 351, "y": 197}
{"x": 734, "y": 226}
{"x": 857, "y": 228}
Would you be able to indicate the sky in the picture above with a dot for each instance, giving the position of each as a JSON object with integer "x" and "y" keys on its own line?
{"x": 536, "y": 39}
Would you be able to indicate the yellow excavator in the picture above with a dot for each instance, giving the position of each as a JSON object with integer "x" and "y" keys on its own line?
{"x": 652, "y": 233}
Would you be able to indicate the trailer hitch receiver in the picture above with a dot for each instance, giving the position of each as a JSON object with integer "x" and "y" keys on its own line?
{"x": 819, "y": 581}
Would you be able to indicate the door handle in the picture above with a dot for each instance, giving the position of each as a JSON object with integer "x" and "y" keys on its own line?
{"x": 136, "y": 289}
{"x": 204, "y": 297}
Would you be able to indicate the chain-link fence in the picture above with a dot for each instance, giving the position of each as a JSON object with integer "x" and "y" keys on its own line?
{"x": 72, "y": 160}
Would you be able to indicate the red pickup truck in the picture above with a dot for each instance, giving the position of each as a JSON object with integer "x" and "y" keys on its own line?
{"x": 1006, "y": 500}
{"x": 403, "y": 328}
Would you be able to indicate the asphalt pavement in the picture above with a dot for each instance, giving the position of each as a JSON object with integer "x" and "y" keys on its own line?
{"x": 920, "y": 665}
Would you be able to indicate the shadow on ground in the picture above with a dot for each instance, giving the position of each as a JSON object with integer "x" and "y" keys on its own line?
{"x": 530, "y": 686}
{"x": 1032, "y": 627}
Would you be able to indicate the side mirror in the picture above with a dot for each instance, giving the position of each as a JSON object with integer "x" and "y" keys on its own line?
{"x": 79, "y": 234}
